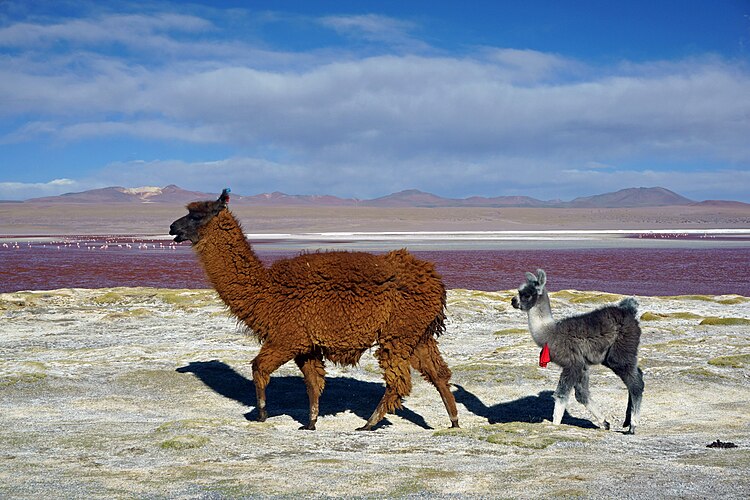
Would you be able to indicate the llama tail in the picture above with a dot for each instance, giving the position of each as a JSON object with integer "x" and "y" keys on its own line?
{"x": 629, "y": 305}
{"x": 437, "y": 326}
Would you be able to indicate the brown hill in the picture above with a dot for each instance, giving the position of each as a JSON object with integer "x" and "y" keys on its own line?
{"x": 721, "y": 203}
{"x": 411, "y": 198}
{"x": 416, "y": 198}
{"x": 119, "y": 194}
{"x": 632, "y": 197}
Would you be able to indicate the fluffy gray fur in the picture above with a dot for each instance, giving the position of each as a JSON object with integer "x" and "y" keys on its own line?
{"x": 609, "y": 336}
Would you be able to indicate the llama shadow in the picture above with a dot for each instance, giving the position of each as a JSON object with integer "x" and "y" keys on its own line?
{"x": 532, "y": 409}
{"x": 287, "y": 395}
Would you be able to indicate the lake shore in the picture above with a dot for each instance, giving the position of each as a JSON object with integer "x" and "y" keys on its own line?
{"x": 147, "y": 392}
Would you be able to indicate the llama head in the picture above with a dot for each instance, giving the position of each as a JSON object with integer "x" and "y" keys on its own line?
{"x": 199, "y": 214}
{"x": 529, "y": 292}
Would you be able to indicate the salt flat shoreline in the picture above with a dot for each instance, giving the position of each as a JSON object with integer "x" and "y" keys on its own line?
{"x": 146, "y": 392}
{"x": 566, "y": 238}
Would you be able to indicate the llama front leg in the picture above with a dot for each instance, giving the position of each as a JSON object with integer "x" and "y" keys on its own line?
{"x": 266, "y": 362}
{"x": 583, "y": 396}
{"x": 568, "y": 379}
{"x": 313, "y": 370}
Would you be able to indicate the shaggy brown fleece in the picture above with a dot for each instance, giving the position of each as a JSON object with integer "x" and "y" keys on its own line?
{"x": 332, "y": 305}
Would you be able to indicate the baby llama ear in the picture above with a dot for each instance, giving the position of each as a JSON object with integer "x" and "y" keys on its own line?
{"x": 541, "y": 277}
{"x": 531, "y": 278}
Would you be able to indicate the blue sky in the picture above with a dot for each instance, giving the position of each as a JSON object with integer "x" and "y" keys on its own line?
{"x": 360, "y": 99}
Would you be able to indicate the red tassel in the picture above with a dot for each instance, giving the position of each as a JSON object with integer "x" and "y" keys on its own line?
{"x": 544, "y": 356}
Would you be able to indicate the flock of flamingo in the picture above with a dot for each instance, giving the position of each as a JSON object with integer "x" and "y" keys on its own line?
{"x": 95, "y": 244}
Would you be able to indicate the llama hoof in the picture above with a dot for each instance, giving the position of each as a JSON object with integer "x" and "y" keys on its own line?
{"x": 454, "y": 425}
{"x": 308, "y": 427}
{"x": 631, "y": 430}
{"x": 366, "y": 427}
{"x": 605, "y": 426}
{"x": 262, "y": 415}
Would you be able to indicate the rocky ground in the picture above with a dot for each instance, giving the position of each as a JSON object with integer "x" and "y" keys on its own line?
{"x": 148, "y": 393}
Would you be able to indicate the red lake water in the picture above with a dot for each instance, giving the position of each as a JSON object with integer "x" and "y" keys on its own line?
{"x": 130, "y": 262}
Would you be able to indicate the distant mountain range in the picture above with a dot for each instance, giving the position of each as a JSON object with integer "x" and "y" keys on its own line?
{"x": 625, "y": 198}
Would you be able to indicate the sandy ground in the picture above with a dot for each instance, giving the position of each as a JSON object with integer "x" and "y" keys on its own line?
{"x": 118, "y": 393}
{"x": 66, "y": 219}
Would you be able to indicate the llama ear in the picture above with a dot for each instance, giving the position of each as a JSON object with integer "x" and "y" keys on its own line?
{"x": 541, "y": 278}
{"x": 531, "y": 278}
{"x": 224, "y": 198}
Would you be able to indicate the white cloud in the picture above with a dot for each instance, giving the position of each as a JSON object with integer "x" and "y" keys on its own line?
{"x": 376, "y": 28}
{"x": 24, "y": 190}
{"x": 130, "y": 30}
{"x": 356, "y": 125}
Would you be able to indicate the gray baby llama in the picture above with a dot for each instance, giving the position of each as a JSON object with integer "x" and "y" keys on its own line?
{"x": 609, "y": 336}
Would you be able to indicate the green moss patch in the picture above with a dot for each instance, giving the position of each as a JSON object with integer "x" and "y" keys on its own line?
{"x": 701, "y": 373}
{"x": 138, "y": 312}
{"x": 729, "y": 301}
{"x": 736, "y": 361}
{"x": 191, "y": 424}
{"x": 184, "y": 442}
{"x": 512, "y": 331}
{"x": 535, "y": 436}
{"x": 735, "y": 458}
{"x": 22, "y": 378}
{"x": 108, "y": 298}
{"x": 725, "y": 321}
{"x": 24, "y": 372}
{"x": 189, "y": 298}
{"x": 720, "y": 299}
{"x": 652, "y": 316}
{"x": 578, "y": 297}
{"x": 163, "y": 380}
{"x": 667, "y": 346}
{"x": 649, "y": 316}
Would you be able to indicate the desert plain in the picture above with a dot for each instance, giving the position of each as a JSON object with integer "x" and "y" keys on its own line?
{"x": 137, "y": 392}
{"x": 148, "y": 393}
{"x": 154, "y": 218}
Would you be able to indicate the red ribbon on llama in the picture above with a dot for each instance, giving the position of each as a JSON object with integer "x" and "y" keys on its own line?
{"x": 544, "y": 356}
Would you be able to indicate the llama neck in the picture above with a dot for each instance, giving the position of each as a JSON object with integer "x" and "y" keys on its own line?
{"x": 234, "y": 270}
{"x": 541, "y": 322}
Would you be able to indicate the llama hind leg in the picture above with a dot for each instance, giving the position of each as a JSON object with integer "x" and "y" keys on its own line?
{"x": 583, "y": 396}
{"x": 634, "y": 382}
{"x": 266, "y": 362}
{"x": 397, "y": 386}
{"x": 427, "y": 359}
{"x": 313, "y": 370}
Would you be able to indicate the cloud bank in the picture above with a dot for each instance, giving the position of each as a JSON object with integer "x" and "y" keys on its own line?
{"x": 490, "y": 121}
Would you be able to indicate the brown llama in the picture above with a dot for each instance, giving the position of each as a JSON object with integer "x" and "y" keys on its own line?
{"x": 332, "y": 305}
